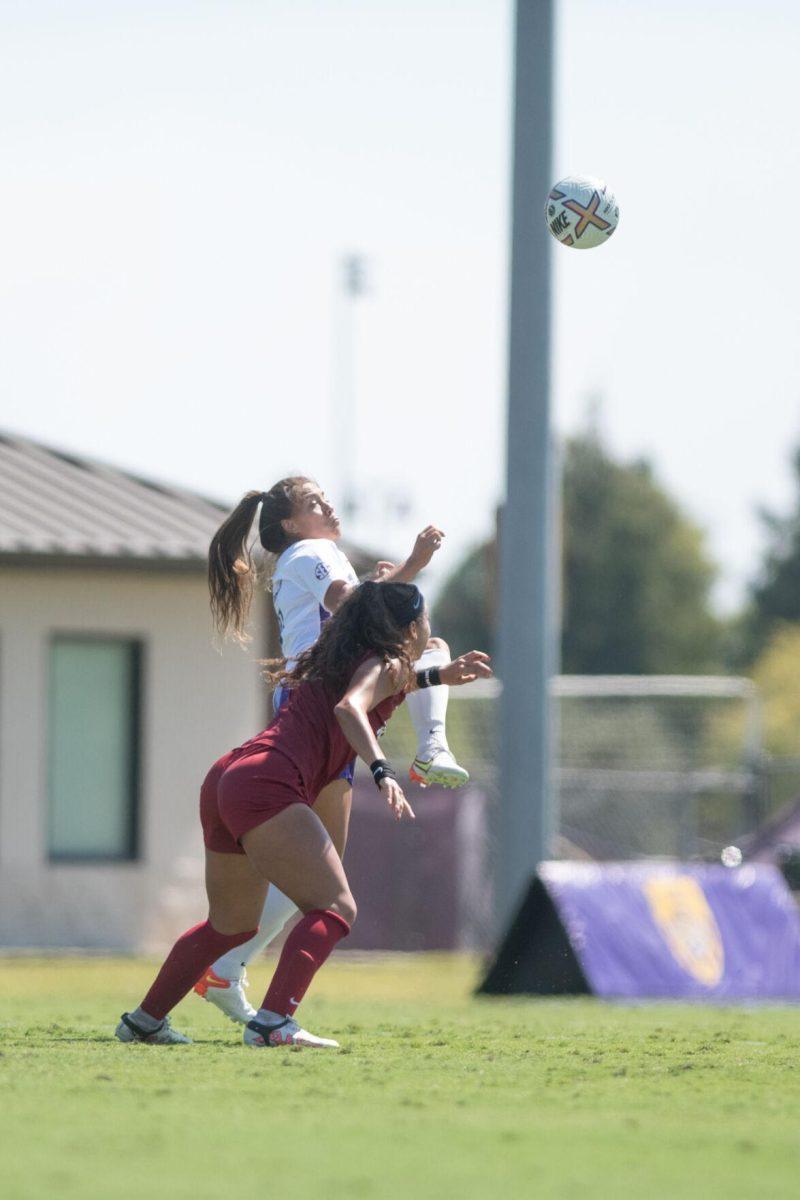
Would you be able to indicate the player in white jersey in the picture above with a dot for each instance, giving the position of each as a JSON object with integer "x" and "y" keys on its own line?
{"x": 310, "y": 579}
{"x": 303, "y": 576}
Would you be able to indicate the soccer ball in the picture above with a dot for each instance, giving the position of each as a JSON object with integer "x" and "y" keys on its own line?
{"x": 581, "y": 212}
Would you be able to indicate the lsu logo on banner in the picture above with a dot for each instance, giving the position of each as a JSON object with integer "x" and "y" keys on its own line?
{"x": 685, "y": 921}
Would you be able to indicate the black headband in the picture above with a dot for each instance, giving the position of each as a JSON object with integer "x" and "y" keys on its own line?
{"x": 404, "y": 600}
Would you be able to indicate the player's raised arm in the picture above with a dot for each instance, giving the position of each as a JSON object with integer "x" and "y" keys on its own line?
{"x": 475, "y": 664}
{"x": 467, "y": 668}
{"x": 336, "y": 594}
{"x": 373, "y": 682}
{"x": 426, "y": 545}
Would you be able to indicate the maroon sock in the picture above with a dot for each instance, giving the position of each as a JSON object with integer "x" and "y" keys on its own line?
{"x": 193, "y": 952}
{"x": 304, "y": 952}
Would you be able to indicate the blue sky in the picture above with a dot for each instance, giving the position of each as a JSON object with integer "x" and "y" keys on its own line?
{"x": 180, "y": 180}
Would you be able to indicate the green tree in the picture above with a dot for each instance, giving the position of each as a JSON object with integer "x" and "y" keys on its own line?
{"x": 776, "y": 672}
{"x": 464, "y": 611}
{"x": 775, "y": 596}
{"x": 635, "y": 581}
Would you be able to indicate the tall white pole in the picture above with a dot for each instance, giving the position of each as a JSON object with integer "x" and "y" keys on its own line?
{"x": 351, "y": 285}
{"x": 526, "y": 645}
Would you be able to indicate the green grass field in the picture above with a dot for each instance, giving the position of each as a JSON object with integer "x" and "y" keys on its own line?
{"x": 434, "y": 1094}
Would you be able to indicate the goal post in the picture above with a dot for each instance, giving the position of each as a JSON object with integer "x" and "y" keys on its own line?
{"x": 657, "y": 765}
{"x": 643, "y": 766}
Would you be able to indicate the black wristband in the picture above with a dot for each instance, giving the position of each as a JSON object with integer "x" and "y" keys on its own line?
{"x": 430, "y": 677}
{"x": 381, "y": 769}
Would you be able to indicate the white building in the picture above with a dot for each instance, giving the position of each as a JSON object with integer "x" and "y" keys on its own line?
{"x": 113, "y": 704}
{"x": 113, "y": 701}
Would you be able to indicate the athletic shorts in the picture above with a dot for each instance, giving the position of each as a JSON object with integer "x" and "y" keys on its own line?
{"x": 238, "y": 794}
{"x": 279, "y": 698}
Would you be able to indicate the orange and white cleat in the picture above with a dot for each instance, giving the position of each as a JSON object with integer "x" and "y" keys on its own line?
{"x": 227, "y": 994}
{"x": 440, "y": 768}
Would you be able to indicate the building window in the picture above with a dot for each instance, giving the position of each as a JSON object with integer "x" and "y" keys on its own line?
{"x": 93, "y": 748}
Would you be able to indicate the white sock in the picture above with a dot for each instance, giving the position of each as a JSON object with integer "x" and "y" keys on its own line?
{"x": 267, "y": 1017}
{"x": 427, "y": 708}
{"x": 276, "y": 912}
{"x": 144, "y": 1020}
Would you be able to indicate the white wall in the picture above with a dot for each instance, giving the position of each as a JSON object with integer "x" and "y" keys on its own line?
{"x": 196, "y": 704}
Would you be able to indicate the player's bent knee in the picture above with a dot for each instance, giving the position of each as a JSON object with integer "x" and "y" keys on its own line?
{"x": 345, "y": 907}
{"x": 233, "y": 926}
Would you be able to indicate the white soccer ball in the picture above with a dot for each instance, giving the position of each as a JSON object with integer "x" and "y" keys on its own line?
{"x": 581, "y": 212}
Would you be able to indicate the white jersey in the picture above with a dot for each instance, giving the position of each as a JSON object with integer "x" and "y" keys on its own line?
{"x": 302, "y": 576}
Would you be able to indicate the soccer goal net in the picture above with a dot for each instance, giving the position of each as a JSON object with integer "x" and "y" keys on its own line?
{"x": 642, "y": 765}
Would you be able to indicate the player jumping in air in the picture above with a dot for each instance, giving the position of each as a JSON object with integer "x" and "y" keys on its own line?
{"x": 310, "y": 580}
{"x": 257, "y": 806}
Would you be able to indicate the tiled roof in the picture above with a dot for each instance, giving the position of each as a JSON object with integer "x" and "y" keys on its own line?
{"x": 58, "y": 506}
{"x": 55, "y": 505}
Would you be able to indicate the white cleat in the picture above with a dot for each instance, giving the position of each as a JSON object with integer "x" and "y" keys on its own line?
{"x": 441, "y": 768}
{"x": 227, "y": 994}
{"x": 283, "y": 1031}
{"x": 162, "y": 1035}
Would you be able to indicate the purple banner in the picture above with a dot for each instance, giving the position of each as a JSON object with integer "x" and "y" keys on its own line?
{"x": 674, "y": 930}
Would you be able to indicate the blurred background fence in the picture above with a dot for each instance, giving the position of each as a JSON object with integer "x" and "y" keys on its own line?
{"x": 646, "y": 767}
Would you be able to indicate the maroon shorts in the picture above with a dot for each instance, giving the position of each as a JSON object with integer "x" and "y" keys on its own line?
{"x": 238, "y": 794}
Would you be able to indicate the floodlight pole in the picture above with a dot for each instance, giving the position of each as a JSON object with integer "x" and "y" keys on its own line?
{"x": 524, "y": 817}
{"x": 351, "y": 286}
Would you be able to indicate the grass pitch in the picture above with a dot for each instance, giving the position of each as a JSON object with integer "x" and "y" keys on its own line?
{"x": 434, "y": 1094}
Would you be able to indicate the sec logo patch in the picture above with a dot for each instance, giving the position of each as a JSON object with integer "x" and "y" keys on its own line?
{"x": 321, "y": 570}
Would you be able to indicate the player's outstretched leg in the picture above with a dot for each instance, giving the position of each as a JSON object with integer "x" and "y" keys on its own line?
{"x": 186, "y": 962}
{"x": 224, "y": 983}
{"x": 306, "y": 949}
{"x": 427, "y": 708}
{"x": 295, "y": 848}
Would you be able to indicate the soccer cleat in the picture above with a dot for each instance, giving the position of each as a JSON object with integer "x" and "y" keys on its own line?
{"x": 227, "y": 994}
{"x": 162, "y": 1035}
{"x": 283, "y": 1032}
{"x": 440, "y": 768}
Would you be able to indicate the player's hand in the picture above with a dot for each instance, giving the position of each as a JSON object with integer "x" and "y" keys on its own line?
{"x": 426, "y": 545}
{"x": 382, "y": 569}
{"x": 466, "y": 669}
{"x": 397, "y": 802}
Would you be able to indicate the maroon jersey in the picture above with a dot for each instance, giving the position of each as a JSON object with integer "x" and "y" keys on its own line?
{"x": 305, "y": 731}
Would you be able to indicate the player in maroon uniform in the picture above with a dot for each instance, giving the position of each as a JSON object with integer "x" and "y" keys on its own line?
{"x": 256, "y": 808}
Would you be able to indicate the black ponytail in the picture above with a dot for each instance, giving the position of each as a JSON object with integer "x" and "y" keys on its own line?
{"x": 232, "y": 574}
{"x": 231, "y": 570}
